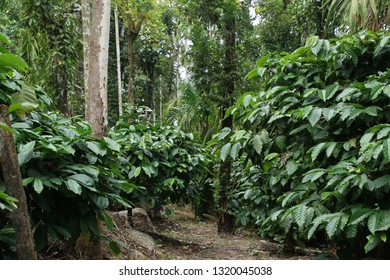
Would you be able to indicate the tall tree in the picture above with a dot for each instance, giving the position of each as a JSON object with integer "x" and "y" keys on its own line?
{"x": 51, "y": 47}
{"x": 134, "y": 14}
{"x": 96, "y": 98}
{"x": 215, "y": 55}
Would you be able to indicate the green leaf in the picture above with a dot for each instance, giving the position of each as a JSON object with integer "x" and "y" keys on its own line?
{"x": 330, "y": 148}
{"x": 94, "y": 147}
{"x": 291, "y": 167}
{"x": 224, "y": 132}
{"x": 386, "y": 149}
{"x": 82, "y": 179}
{"x": 359, "y": 216}
{"x": 373, "y": 222}
{"x": 26, "y": 152}
{"x": 134, "y": 173}
{"x": 225, "y": 151}
{"x": 38, "y": 185}
{"x": 315, "y": 116}
{"x": 373, "y": 242}
{"x": 102, "y": 202}
{"x": 112, "y": 144}
{"x": 6, "y": 127}
{"x": 13, "y": 61}
{"x": 365, "y": 140}
{"x": 332, "y": 226}
{"x": 235, "y": 150}
{"x": 316, "y": 151}
{"x": 300, "y": 215}
{"x": 257, "y": 143}
{"x": 73, "y": 186}
{"x": 114, "y": 247}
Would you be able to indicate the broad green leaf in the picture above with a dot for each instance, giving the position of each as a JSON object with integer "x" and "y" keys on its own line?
{"x": 38, "y": 185}
{"x": 373, "y": 241}
{"x": 291, "y": 167}
{"x": 73, "y": 186}
{"x": 134, "y": 173}
{"x": 386, "y": 149}
{"x": 331, "y": 147}
{"x": 365, "y": 140}
{"x": 82, "y": 179}
{"x": 360, "y": 215}
{"x": 315, "y": 116}
{"x": 13, "y": 61}
{"x": 316, "y": 151}
{"x": 112, "y": 144}
{"x": 93, "y": 147}
{"x": 225, "y": 151}
{"x": 300, "y": 215}
{"x": 26, "y": 152}
{"x": 373, "y": 222}
{"x": 235, "y": 150}
{"x": 102, "y": 202}
{"x": 332, "y": 226}
{"x": 224, "y": 132}
{"x": 257, "y": 143}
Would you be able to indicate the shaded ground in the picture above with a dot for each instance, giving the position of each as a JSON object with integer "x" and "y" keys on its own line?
{"x": 181, "y": 236}
{"x": 185, "y": 237}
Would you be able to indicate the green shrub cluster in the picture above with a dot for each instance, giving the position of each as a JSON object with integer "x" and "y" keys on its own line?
{"x": 314, "y": 145}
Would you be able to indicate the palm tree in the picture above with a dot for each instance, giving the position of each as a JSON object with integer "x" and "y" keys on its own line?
{"x": 194, "y": 112}
{"x": 360, "y": 14}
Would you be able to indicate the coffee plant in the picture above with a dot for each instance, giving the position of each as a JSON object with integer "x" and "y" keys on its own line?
{"x": 314, "y": 146}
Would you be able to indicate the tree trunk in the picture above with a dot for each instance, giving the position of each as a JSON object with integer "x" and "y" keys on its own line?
{"x": 118, "y": 61}
{"x": 131, "y": 57}
{"x": 14, "y": 187}
{"x": 86, "y": 14}
{"x": 96, "y": 97}
{"x": 226, "y": 220}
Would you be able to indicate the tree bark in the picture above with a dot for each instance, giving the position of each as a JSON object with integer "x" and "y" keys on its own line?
{"x": 131, "y": 57}
{"x": 14, "y": 187}
{"x": 96, "y": 97}
{"x": 226, "y": 220}
{"x": 118, "y": 61}
{"x": 86, "y": 17}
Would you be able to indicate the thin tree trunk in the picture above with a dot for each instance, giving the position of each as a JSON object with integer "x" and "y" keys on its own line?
{"x": 161, "y": 103}
{"x": 86, "y": 17}
{"x": 131, "y": 57}
{"x": 14, "y": 187}
{"x": 226, "y": 220}
{"x": 118, "y": 61}
{"x": 96, "y": 99}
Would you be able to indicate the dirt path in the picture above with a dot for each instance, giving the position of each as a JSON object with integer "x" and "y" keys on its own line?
{"x": 188, "y": 238}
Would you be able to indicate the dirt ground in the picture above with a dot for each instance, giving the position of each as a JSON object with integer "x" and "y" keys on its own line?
{"x": 186, "y": 237}
{"x": 181, "y": 236}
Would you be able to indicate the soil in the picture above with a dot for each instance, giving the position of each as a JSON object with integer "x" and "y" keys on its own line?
{"x": 182, "y": 236}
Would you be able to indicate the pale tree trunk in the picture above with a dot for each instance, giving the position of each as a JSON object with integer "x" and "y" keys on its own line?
{"x": 86, "y": 17}
{"x": 131, "y": 57}
{"x": 14, "y": 187}
{"x": 161, "y": 103}
{"x": 96, "y": 98}
{"x": 118, "y": 61}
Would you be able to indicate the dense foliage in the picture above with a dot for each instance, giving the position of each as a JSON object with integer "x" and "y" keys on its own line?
{"x": 315, "y": 145}
{"x": 72, "y": 179}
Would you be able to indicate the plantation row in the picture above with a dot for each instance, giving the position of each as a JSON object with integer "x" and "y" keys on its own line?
{"x": 310, "y": 153}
